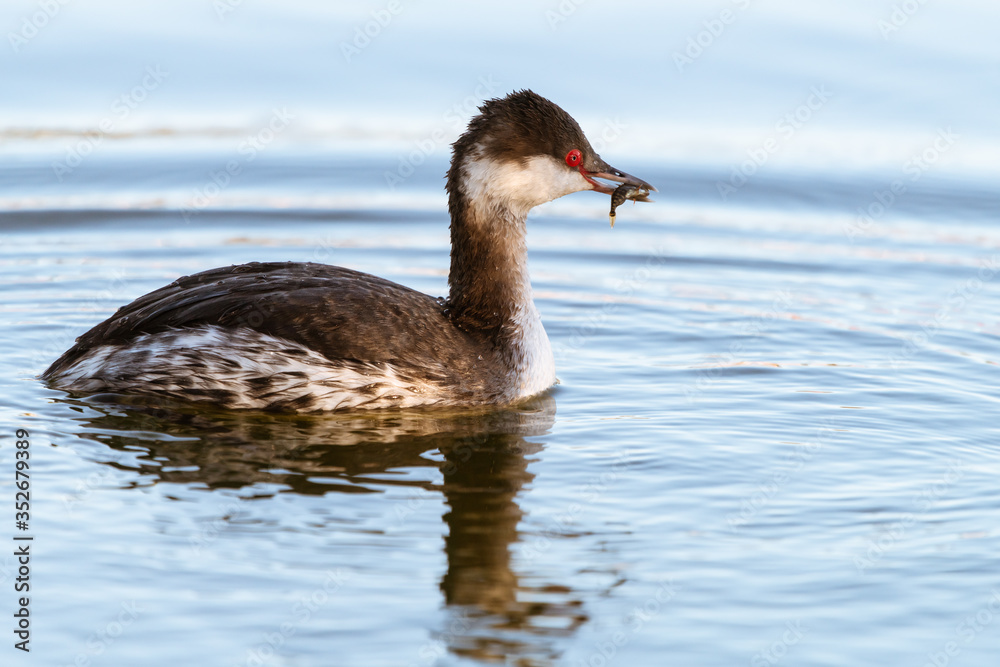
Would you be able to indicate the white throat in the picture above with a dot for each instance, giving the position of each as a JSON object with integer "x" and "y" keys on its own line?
{"x": 520, "y": 186}
{"x": 500, "y": 194}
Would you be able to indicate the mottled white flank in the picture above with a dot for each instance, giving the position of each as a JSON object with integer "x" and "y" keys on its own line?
{"x": 259, "y": 370}
{"x": 501, "y": 193}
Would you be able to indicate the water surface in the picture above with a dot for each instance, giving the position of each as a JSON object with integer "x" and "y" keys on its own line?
{"x": 774, "y": 438}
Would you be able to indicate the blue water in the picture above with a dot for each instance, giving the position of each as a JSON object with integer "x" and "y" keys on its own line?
{"x": 774, "y": 440}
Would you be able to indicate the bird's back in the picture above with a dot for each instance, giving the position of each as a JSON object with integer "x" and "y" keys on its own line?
{"x": 285, "y": 336}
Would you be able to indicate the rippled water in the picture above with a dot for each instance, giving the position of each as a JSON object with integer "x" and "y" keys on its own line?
{"x": 775, "y": 439}
{"x": 770, "y": 435}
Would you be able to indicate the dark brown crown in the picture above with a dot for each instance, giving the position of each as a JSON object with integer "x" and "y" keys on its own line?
{"x": 519, "y": 126}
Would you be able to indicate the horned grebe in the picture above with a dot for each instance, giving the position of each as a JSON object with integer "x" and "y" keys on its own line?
{"x": 310, "y": 337}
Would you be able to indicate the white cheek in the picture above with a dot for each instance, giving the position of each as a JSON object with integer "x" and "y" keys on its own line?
{"x": 540, "y": 179}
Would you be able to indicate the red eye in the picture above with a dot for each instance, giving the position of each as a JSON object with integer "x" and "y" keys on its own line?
{"x": 574, "y": 158}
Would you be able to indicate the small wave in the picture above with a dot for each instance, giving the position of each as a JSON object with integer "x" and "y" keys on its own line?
{"x": 149, "y": 201}
{"x": 845, "y": 150}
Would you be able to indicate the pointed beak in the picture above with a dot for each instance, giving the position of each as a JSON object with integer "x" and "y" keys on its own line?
{"x": 601, "y": 169}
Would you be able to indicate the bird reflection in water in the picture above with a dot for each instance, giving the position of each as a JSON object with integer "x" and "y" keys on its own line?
{"x": 498, "y": 611}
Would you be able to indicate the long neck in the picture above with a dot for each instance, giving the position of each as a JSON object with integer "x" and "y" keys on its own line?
{"x": 489, "y": 285}
{"x": 490, "y": 288}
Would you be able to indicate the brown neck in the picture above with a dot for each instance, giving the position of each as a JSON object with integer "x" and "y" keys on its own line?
{"x": 488, "y": 282}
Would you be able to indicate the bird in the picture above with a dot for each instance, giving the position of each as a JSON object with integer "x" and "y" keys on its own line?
{"x": 307, "y": 337}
